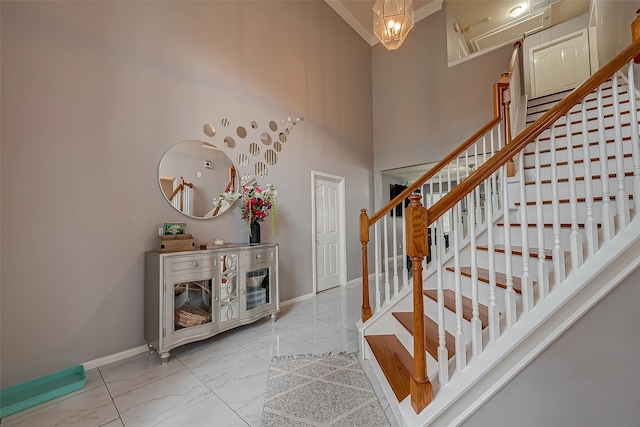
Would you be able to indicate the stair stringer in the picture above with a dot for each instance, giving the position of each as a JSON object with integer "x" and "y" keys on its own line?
{"x": 531, "y": 335}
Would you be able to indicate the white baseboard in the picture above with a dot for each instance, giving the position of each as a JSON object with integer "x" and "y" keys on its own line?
{"x": 96, "y": 363}
{"x": 296, "y": 299}
{"x": 358, "y": 281}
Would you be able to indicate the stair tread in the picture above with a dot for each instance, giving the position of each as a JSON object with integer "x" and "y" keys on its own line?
{"x": 517, "y": 250}
{"x": 483, "y": 276}
{"x": 431, "y": 333}
{"x": 394, "y": 360}
{"x": 467, "y": 305}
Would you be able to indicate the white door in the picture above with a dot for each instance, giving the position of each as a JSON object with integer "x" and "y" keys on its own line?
{"x": 560, "y": 65}
{"x": 327, "y": 226}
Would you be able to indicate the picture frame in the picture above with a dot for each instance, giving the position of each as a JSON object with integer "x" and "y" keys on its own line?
{"x": 173, "y": 228}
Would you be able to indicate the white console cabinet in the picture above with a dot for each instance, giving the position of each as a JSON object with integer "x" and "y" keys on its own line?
{"x": 191, "y": 296}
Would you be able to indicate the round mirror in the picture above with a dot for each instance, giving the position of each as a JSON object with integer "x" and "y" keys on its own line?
{"x": 193, "y": 175}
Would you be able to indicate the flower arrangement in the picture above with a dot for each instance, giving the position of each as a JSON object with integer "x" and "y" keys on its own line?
{"x": 256, "y": 203}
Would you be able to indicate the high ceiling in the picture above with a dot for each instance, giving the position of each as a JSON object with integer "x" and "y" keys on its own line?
{"x": 481, "y": 21}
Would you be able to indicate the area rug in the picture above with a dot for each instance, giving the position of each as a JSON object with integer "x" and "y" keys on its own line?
{"x": 319, "y": 391}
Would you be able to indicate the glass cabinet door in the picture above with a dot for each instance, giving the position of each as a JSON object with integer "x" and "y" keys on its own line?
{"x": 229, "y": 288}
{"x": 258, "y": 289}
{"x": 192, "y": 303}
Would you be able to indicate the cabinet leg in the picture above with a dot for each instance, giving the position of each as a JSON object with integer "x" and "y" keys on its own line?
{"x": 151, "y": 349}
{"x": 273, "y": 317}
{"x": 164, "y": 357}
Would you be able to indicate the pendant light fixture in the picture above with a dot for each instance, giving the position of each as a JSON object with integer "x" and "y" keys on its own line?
{"x": 392, "y": 20}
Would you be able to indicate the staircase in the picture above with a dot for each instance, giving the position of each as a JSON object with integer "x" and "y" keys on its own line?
{"x": 514, "y": 260}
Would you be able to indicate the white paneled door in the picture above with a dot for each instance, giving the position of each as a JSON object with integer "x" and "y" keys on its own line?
{"x": 327, "y": 226}
{"x": 560, "y": 65}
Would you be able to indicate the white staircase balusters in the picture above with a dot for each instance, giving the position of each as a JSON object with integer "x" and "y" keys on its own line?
{"x": 608, "y": 228}
{"x": 557, "y": 252}
{"x": 476, "y": 330}
{"x": 461, "y": 353}
{"x": 385, "y": 265}
{"x": 494, "y": 311}
{"x": 575, "y": 236}
{"x": 405, "y": 266}
{"x": 590, "y": 226}
{"x": 394, "y": 239}
{"x": 635, "y": 139}
{"x": 495, "y": 198}
{"x": 509, "y": 294}
{"x": 478, "y": 208}
{"x": 527, "y": 286}
{"x": 443, "y": 354}
{"x": 376, "y": 239}
{"x": 622, "y": 200}
{"x": 461, "y": 233}
{"x": 543, "y": 277}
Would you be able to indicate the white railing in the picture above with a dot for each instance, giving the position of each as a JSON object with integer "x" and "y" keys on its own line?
{"x": 571, "y": 203}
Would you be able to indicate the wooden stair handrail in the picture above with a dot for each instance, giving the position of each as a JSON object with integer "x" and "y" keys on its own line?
{"x": 497, "y": 97}
{"x": 531, "y": 133}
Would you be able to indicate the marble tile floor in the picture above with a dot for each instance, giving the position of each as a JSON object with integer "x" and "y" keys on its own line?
{"x": 219, "y": 382}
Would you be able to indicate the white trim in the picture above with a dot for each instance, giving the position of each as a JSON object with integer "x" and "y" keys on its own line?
{"x": 367, "y": 33}
{"x": 296, "y": 299}
{"x": 116, "y": 357}
{"x": 342, "y": 222}
{"x": 358, "y": 280}
{"x": 344, "y": 13}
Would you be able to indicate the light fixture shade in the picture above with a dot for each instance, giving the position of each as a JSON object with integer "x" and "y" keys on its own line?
{"x": 392, "y": 20}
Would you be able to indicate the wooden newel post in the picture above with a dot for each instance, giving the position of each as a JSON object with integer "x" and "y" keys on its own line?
{"x": 417, "y": 248}
{"x": 506, "y": 106}
{"x": 364, "y": 239}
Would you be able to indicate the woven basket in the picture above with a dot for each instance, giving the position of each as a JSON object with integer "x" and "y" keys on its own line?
{"x": 188, "y": 316}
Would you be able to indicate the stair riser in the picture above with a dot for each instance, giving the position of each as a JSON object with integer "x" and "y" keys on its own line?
{"x": 517, "y": 265}
{"x": 536, "y": 111}
{"x": 450, "y": 322}
{"x": 579, "y": 169}
{"x": 407, "y": 341}
{"x": 578, "y": 152}
{"x": 532, "y": 236}
{"x": 564, "y": 188}
{"x": 577, "y": 132}
{"x": 484, "y": 291}
{"x": 592, "y": 112}
{"x": 565, "y": 213}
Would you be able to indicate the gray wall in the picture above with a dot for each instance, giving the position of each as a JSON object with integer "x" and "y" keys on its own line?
{"x": 588, "y": 377}
{"x": 422, "y": 108}
{"x": 93, "y": 94}
{"x": 613, "y": 24}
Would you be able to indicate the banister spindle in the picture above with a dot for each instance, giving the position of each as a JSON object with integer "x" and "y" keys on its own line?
{"x": 461, "y": 352}
{"x": 394, "y": 239}
{"x": 376, "y": 239}
{"x": 557, "y": 252}
{"x": 405, "y": 266}
{"x": 543, "y": 276}
{"x": 509, "y": 295}
{"x": 527, "y": 286}
{"x": 494, "y": 310}
{"x": 622, "y": 199}
{"x": 417, "y": 248}
{"x": 575, "y": 237}
{"x": 476, "y": 336}
{"x": 590, "y": 226}
{"x": 385, "y": 264}
{"x": 607, "y": 210}
{"x": 477, "y": 189}
{"x": 443, "y": 354}
{"x": 635, "y": 139}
